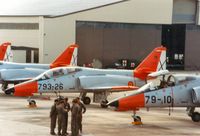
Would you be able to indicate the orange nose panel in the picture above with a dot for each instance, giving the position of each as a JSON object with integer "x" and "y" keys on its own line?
{"x": 131, "y": 102}
{"x": 26, "y": 89}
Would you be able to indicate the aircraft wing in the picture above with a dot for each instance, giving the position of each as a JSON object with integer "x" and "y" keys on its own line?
{"x": 19, "y": 75}
{"x": 112, "y": 88}
{"x": 113, "y": 83}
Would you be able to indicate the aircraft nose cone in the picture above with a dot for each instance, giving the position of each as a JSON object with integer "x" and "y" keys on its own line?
{"x": 114, "y": 104}
{"x": 10, "y": 90}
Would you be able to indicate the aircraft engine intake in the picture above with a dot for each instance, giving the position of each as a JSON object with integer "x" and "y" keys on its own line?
{"x": 196, "y": 95}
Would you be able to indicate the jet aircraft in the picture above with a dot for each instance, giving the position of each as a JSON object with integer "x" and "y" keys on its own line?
{"x": 98, "y": 81}
{"x": 13, "y": 73}
{"x": 176, "y": 90}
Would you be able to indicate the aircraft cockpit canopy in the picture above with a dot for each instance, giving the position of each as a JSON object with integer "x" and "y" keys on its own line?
{"x": 183, "y": 78}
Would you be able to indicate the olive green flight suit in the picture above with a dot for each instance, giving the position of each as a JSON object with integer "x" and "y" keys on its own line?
{"x": 81, "y": 111}
{"x": 74, "y": 119}
{"x": 66, "y": 109}
{"x": 53, "y": 116}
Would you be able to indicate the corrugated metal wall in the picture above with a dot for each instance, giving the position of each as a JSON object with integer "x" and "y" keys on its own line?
{"x": 110, "y": 42}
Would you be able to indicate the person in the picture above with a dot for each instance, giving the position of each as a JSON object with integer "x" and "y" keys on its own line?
{"x": 66, "y": 109}
{"x": 53, "y": 116}
{"x": 59, "y": 108}
{"x": 74, "y": 118}
{"x": 81, "y": 112}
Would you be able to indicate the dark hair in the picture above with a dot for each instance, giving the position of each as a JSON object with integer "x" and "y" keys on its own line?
{"x": 78, "y": 98}
{"x": 74, "y": 100}
{"x": 56, "y": 100}
{"x": 66, "y": 98}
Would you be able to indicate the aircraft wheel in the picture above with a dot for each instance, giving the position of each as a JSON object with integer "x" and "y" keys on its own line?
{"x": 7, "y": 92}
{"x": 137, "y": 119}
{"x": 195, "y": 117}
{"x": 86, "y": 100}
{"x": 32, "y": 102}
{"x": 104, "y": 104}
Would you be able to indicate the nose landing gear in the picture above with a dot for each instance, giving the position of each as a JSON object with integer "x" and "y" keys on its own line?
{"x": 31, "y": 103}
{"x": 136, "y": 119}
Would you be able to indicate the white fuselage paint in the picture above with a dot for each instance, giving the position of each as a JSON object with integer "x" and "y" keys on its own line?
{"x": 179, "y": 95}
{"x": 76, "y": 79}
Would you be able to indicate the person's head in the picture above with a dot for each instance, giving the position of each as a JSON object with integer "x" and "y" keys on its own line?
{"x": 55, "y": 101}
{"x": 78, "y": 99}
{"x": 74, "y": 101}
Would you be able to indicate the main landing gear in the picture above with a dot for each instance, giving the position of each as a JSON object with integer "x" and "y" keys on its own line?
{"x": 136, "y": 119}
{"x": 102, "y": 98}
{"x": 195, "y": 116}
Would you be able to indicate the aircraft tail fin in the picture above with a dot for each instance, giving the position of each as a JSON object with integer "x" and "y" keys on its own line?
{"x": 68, "y": 57}
{"x": 155, "y": 61}
{"x": 5, "y": 52}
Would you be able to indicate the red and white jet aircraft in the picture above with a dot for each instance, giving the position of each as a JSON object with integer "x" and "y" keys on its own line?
{"x": 98, "y": 81}
{"x": 13, "y": 73}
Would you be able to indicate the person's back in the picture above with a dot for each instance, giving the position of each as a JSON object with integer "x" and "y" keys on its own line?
{"x": 74, "y": 118}
{"x": 65, "y": 111}
{"x": 81, "y": 111}
{"x": 59, "y": 108}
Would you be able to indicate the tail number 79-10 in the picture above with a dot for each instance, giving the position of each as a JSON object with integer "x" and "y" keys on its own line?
{"x": 154, "y": 99}
{"x": 48, "y": 86}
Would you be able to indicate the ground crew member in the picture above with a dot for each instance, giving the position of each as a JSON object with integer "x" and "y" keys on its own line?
{"x": 65, "y": 116}
{"x": 60, "y": 107}
{"x": 53, "y": 116}
{"x": 81, "y": 111}
{"x": 74, "y": 118}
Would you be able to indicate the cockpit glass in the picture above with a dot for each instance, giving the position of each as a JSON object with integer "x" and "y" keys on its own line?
{"x": 58, "y": 72}
{"x": 182, "y": 79}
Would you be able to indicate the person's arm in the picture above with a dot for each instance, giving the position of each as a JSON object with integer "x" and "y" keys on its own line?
{"x": 84, "y": 108}
{"x": 53, "y": 109}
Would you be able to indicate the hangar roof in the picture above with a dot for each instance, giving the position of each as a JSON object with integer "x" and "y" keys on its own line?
{"x": 49, "y": 8}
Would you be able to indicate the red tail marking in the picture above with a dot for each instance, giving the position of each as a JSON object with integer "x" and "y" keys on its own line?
{"x": 131, "y": 102}
{"x": 3, "y": 49}
{"x": 65, "y": 58}
{"x": 149, "y": 64}
{"x": 26, "y": 89}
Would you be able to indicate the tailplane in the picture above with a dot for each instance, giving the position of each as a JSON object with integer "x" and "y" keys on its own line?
{"x": 5, "y": 52}
{"x": 155, "y": 61}
{"x": 68, "y": 57}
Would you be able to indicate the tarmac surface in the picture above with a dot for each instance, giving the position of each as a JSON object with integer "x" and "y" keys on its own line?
{"x": 16, "y": 119}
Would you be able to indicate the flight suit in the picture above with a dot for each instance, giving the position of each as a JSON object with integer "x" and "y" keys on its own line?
{"x": 80, "y": 115}
{"x": 74, "y": 119}
{"x": 59, "y": 108}
{"x": 53, "y": 116}
{"x": 65, "y": 118}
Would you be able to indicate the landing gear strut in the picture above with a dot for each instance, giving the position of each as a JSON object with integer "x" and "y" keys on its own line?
{"x": 195, "y": 116}
{"x": 136, "y": 119}
{"x": 4, "y": 86}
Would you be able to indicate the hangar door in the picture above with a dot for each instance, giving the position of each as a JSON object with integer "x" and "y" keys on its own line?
{"x": 111, "y": 42}
{"x": 20, "y": 34}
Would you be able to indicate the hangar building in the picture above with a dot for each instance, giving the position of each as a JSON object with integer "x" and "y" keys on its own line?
{"x": 108, "y": 30}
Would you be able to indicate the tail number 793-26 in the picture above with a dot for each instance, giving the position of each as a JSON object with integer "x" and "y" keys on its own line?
{"x": 48, "y": 86}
